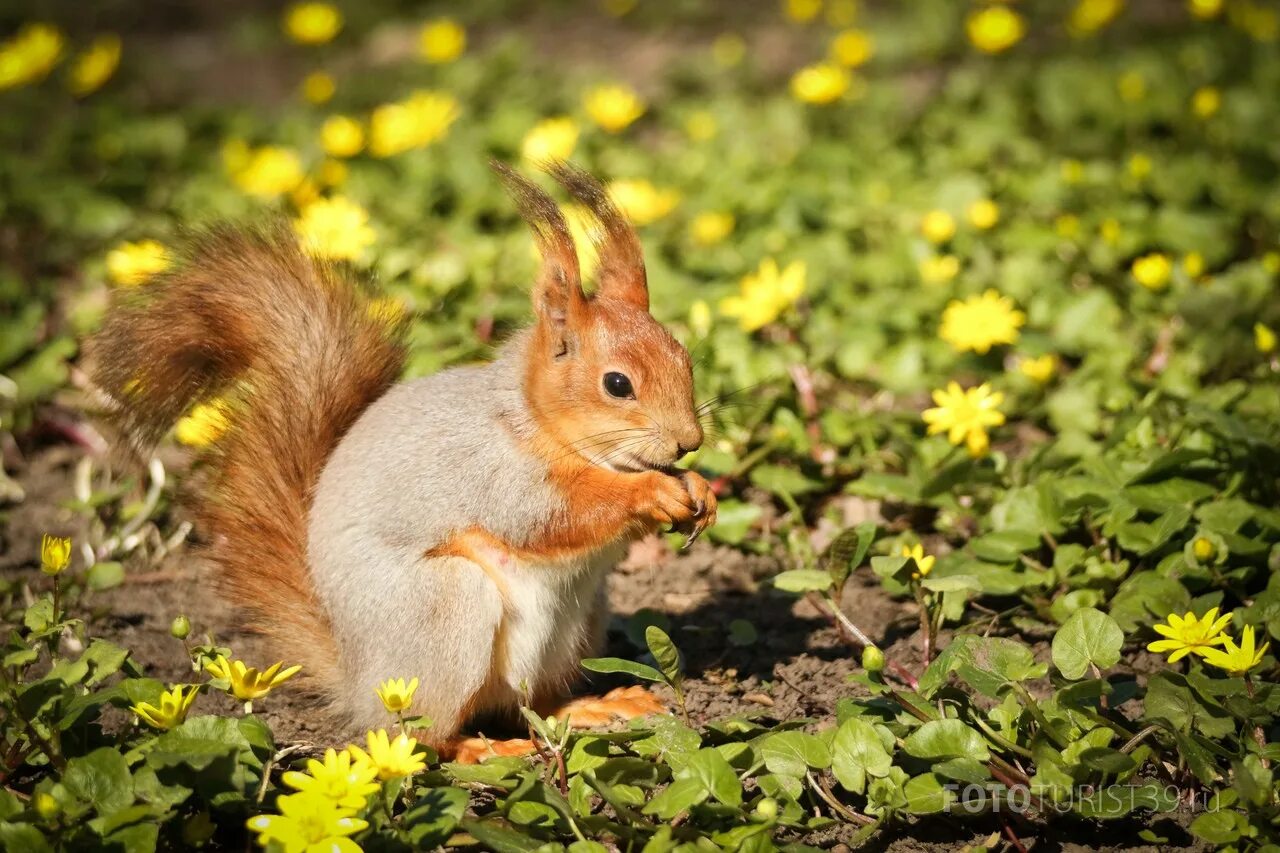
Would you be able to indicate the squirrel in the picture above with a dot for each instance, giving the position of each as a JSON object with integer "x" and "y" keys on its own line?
{"x": 457, "y": 528}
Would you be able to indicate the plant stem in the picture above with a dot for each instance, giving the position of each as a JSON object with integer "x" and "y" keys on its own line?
{"x": 836, "y": 806}
{"x": 1033, "y": 707}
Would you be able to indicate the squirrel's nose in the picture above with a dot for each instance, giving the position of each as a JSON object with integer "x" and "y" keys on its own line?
{"x": 688, "y": 443}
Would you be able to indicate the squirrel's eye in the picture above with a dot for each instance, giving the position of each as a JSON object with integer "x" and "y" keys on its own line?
{"x": 618, "y": 385}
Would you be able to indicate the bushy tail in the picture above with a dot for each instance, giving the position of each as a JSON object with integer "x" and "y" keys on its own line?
{"x": 297, "y": 351}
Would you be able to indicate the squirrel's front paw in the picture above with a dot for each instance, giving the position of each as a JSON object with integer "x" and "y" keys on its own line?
{"x": 706, "y": 505}
{"x": 685, "y": 502}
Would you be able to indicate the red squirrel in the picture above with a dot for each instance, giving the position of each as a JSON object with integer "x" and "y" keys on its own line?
{"x": 457, "y": 528}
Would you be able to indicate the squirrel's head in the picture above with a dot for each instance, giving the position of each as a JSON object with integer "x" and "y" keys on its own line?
{"x": 604, "y": 378}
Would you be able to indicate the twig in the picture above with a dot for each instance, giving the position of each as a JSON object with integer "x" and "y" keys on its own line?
{"x": 836, "y": 806}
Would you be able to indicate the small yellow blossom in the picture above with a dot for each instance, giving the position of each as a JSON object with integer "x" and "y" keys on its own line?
{"x": 247, "y": 683}
{"x": 801, "y": 11}
{"x": 711, "y": 227}
{"x": 1132, "y": 86}
{"x": 939, "y": 269}
{"x": 964, "y": 415}
{"x": 1152, "y": 271}
{"x": 938, "y": 226}
{"x": 980, "y": 322}
{"x": 47, "y": 805}
{"x": 1089, "y": 16}
{"x": 309, "y": 822}
{"x": 172, "y": 710}
{"x": 1140, "y": 166}
{"x": 701, "y": 125}
{"x": 129, "y": 264}
{"x": 318, "y": 87}
{"x": 1067, "y": 225}
{"x": 1193, "y": 264}
{"x": 641, "y": 201}
{"x": 1271, "y": 262}
{"x": 614, "y": 107}
{"x": 305, "y": 194}
{"x": 1071, "y": 171}
{"x": 764, "y": 294}
{"x": 852, "y": 48}
{"x": 1236, "y": 659}
{"x": 700, "y": 318}
{"x": 416, "y": 122}
{"x": 1110, "y": 230}
{"x": 1202, "y": 548}
{"x": 339, "y": 778}
{"x": 335, "y": 228}
{"x": 1188, "y": 634}
{"x": 203, "y": 425}
{"x": 984, "y": 214}
{"x": 924, "y": 564}
{"x": 393, "y": 758}
{"x": 396, "y": 696}
{"x": 442, "y": 40}
{"x": 333, "y": 173}
{"x": 55, "y": 554}
{"x": 267, "y": 171}
{"x": 30, "y": 55}
{"x": 341, "y": 136}
{"x": 1205, "y": 9}
{"x": 1264, "y": 338}
{"x": 728, "y": 50}
{"x": 822, "y": 83}
{"x": 1206, "y": 101}
{"x": 1039, "y": 369}
{"x": 312, "y": 23}
{"x": 995, "y": 29}
{"x": 94, "y": 67}
{"x": 550, "y": 139}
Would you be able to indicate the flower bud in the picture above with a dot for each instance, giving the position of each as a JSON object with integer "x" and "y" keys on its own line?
{"x": 180, "y": 627}
{"x": 1202, "y": 548}
{"x": 767, "y": 808}
{"x": 872, "y": 659}
{"x": 55, "y": 554}
{"x": 46, "y": 806}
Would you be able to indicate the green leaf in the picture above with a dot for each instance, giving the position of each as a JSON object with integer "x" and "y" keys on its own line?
{"x": 780, "y": 480}
{"x": 734, "y": 521}
{"x": 104, "y": 576}
{"x": 629, "y": 667}
{"x": 680, "y": 795}
{"x": 499, "y": 837}
{"x": 101, "y": 779}
{"x": 1222, "y": 827}
{"x": 714, "y": 774}
{"x": 794, "y": 753}
{"x": 23, "y": 838}
{"x": 664, "y": 652}
{"x": 856, "y": 753}
{"x": 949, "y": 738}
{"x": 926, "y": 795}
{"x": 803, "y": 580}
{"x": 1089, "y": 636}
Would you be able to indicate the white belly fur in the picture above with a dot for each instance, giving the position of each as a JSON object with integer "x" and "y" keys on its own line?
{"x": 549, "y": 608}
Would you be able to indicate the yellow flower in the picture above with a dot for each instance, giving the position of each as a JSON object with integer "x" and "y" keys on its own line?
{"x": 980, "y": 322}
{"x": 1067, "y": 225}
{"x": 939, "y": 269}
{"x": 1039, "y": 369}
{"x": 1089, "y": 16}
{"x": 1140, "y": 166}
{"x": 701, "y": 125}
{"x": 308, "y": 823}
{"x": 30, "y": 55}
{"x": 711, "y": 227}
{"x": 1132, "y": 86}
{"x": 339, "y": 778}
{"x": 983, "y": 214}
{"x": 765, "y": 294}
{"x": 1187, "y": 634}
{"x": 1206, "y": 101}
{"x": 1202, "y": 548}
{"x": 613, "y": 106}
{"x": 728, "y": 49}
{"x": 1072, "y": 171}
{"x": 266, "y": 172}
{"x": 335, "y": 228}
{"x": 801, "y": 11}
{"x": 312, "y": 23}
{"x": 94, "y": 67}
{"x": 341, "y": 136}
{"x": 995, "y": 29}
{"x": 129, "y": 264}
{"x": 1110, "y": 230}
{"x": 1236, "y": 659}
{"x": 924, "y": 564}
{"x": 442, "y": 40}
{"x": 172, "y": 710}
{"x": 1205, "y": 9}
{"x": 247, "y": 683}
{"x": 423, "y": 118}
{"x": 318, "y": 87}
{"x": 852, "y": 48}
{"x": 55, "y": 554}
{"x": 1263, "y": 338}
{"x": 1271, "y": 262}
{"x": 550, "y": 139}
{"x": 1152, "y": 271}
{"x": 1193, "y": 264}
{"x": 822, "y": 83}
{"x": 641, "y": 201}
{"x": 393, "y": 758}
{"x": 965, "y": 415}
{"x": 396, "y": 695}
{"x": 700, "y": 318}
{"x": 203, "y": 425}
{"x": 938, "y": 226}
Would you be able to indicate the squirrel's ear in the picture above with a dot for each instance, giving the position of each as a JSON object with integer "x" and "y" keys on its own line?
{"x": 621, "y": 272}
{"x": 557, "y": 293}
